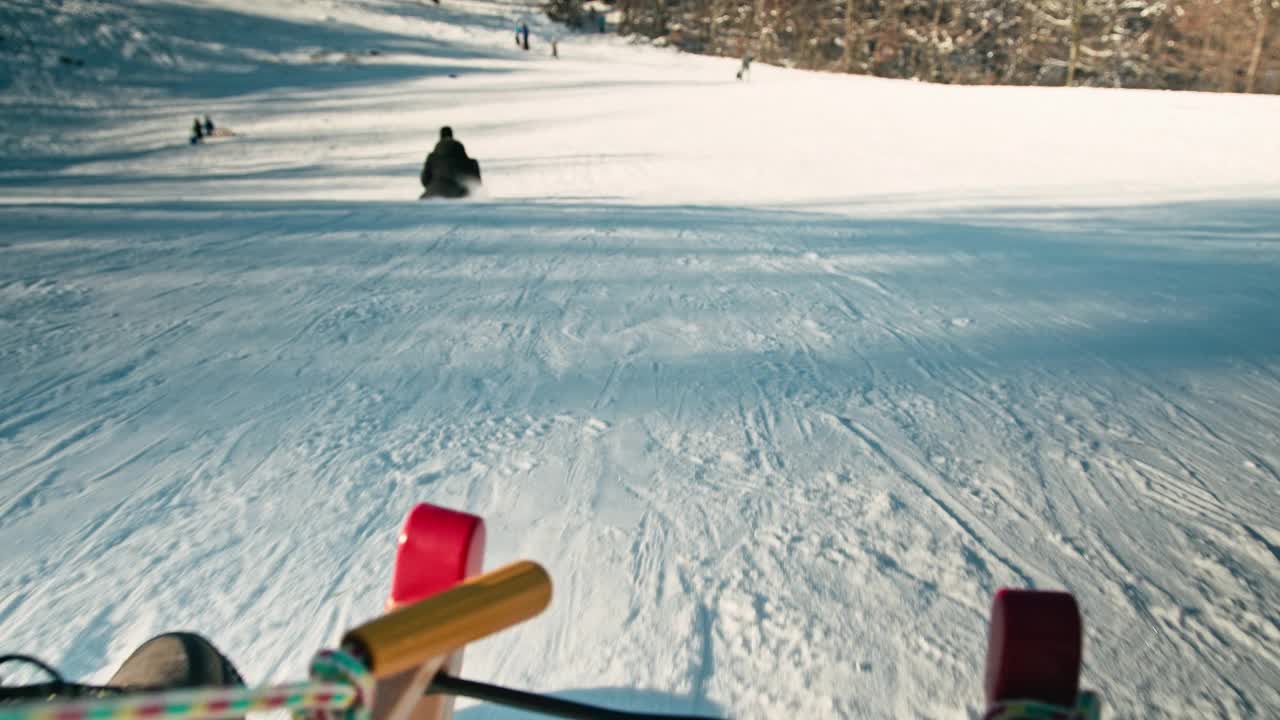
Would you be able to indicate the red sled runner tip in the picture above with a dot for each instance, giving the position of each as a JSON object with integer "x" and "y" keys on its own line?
{"x": 438, "y": 549}
{"x": 1034, "y": 648}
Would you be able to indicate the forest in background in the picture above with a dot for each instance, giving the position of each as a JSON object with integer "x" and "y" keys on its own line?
{"x": 1212, "y": 45}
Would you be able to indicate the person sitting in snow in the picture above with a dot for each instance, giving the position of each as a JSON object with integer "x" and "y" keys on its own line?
{"x": 448, "y": 171}
{"x": 208, "y": 126}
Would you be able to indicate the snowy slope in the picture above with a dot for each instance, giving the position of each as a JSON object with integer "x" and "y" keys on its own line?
{"x": 780, "y": 380}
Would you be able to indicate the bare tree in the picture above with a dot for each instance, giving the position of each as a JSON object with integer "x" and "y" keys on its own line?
{"x": 1262, "y": 15}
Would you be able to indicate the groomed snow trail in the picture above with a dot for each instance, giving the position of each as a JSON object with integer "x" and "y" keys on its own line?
{"x": 780, "y": 381}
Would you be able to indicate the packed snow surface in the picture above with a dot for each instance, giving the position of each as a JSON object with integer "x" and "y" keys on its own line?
{"x": 780, "y": 379}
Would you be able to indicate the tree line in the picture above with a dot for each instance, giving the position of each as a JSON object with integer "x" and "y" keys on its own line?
{"x": 1213, "y": 45}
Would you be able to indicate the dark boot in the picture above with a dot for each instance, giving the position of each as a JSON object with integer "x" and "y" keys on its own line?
{"x": 176, "y": 660}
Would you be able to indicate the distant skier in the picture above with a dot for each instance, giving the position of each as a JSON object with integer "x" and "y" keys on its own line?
{"x": 197, "y": 132}
{"x": 524, "y": 35}
{"x": 744, "y": 72}
{"x": 448, "y": 171}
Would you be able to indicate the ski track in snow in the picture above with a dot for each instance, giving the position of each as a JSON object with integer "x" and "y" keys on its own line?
{"x": 777, "y": 448}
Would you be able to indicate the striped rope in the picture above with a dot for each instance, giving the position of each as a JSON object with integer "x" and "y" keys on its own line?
{"x": 336, "y": 666}
{"x": 341, "y": 688}
{"x": 207, "y": 703}
{"x": 1088, "y": 707}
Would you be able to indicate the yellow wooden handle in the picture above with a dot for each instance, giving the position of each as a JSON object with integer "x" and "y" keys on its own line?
{"x": 410, "y": 636}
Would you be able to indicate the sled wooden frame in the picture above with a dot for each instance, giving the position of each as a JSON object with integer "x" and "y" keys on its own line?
{"x": 405, "y": 648}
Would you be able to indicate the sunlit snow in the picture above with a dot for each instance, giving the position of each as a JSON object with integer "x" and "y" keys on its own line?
{"x": 780, "y": 379}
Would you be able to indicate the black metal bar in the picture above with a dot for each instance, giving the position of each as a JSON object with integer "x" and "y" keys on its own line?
{"x": 533, "y": 702}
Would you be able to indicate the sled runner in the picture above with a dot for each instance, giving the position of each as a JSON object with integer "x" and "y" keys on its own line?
{"x": 404, "y": 665}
